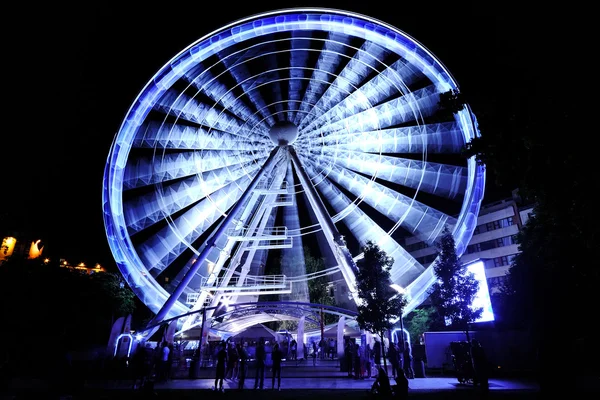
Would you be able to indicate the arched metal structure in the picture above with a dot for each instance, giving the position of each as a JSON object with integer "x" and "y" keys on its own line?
{"x": 292, "y": 128}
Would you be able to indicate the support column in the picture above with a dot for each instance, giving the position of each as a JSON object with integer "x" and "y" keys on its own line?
{"x": 338, "y": 246}
{"x": 185, "y": 281}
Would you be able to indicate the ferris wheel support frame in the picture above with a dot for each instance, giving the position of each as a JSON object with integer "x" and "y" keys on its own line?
{"x": 210, "y": 243}
{"x": 334, "y": 238}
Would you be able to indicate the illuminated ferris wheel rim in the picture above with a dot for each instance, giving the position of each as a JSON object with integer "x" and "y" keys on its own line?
{"x": 344, "y": 20}
{"x": 318, "y": 19}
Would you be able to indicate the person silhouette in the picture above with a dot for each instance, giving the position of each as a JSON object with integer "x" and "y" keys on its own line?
{"x": 407, "y": 361}
{"x": 243, "y": 366}
{"x": 401, "y": 387}
{"x": 276, "y": 356}
{"x": 220, "y": 370}
{"x": 479, "y": 365}
{"x": 259, "y": 380}
{"x": 382, "y": 386}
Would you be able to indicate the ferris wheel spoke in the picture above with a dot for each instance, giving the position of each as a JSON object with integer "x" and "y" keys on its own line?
{"x": 275, "y": 87}
{"x": 391, "y": 82}
{"x": 242, "y": 76}
{"x": 168, "y": 244}
{"x": 298, "y": 61}
{"x": 186, "y": 107}
{"x": 405, "y": 109}
{"x": 365, "y": 62}
{"x": 207, "y": 83}
{"x": 417, "y": 218}
{"x": 144, "y": 211}
{"x": 324, "y": 72}
{"x": 448, "y": 181}
{"x": 435, "y": 138}
{"x": 162, "y": 168}
{"x": 162, "y": 136}
{"x": 405, "y": 267}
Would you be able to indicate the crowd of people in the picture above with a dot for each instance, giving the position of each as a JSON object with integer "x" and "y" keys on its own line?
{"x": 231, "y": 360}
{"x": 150, "y": 365}
{"x": 232, "y": 364}
{"x": 363, "y": 361}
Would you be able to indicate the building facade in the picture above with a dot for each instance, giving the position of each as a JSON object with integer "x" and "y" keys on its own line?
{"x": 493, "y": 241}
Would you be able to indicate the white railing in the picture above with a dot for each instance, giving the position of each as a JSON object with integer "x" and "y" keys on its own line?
{"x": 272, "y": 233}
{"x": 250, "y": 282}
{"x": 266, "y": 187}
{"x": 286, "y": 199}
{"x": 286, "y": 243}
{"x": 192, "y": 298}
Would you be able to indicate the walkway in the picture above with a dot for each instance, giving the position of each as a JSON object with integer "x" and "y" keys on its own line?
{"x": 326, "y": 375}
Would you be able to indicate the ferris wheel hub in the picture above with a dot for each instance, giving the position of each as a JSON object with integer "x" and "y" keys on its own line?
{"x": 283, "y": 133}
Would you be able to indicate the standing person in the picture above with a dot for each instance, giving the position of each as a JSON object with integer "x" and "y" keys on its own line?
{"x": 243, "y": 365}
{"x": 407, "y": 360}
{"x": 164, "y": 362}
{"x": 479, "y": 365}
{"x": 220, "y": 370}
{"x": 357, "y": 365}
{"x": 141, "y": 362}
{"x": 377, "y": 353}
{"x": 315, "y": 352}
{"x": 348, "y": 357}
{"x": 232, "y": 362}
{"x": 276, "y": 356}
{"x": 331, "y": 348}
{"x": 261, "y": 355}
{"x": 293, "y": 350}
{"x": 322, "y": 346}
{"x": 394, "y": 358}
{"x": 170, "y": 361}
{"x": 368, "y": 356}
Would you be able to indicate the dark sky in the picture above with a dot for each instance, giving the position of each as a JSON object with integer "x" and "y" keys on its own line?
{"x": 74, "y": 73}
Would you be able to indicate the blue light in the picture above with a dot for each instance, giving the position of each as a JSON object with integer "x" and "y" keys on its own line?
{"x": 221, "y": 160}
{"x": 482, "y": 299}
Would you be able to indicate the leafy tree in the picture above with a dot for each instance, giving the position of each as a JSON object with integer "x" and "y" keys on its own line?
{"x": 456, "y": 287}
{"x": 318, "y": 287}
{"x": 421, "y": 320}
{"x": 451, "y": 101}
{"x": 380, "y": 302}
{"x": 119, "y": 297}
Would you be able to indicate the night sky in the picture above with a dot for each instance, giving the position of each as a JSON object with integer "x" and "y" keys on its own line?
{"x": 74, "y": 72}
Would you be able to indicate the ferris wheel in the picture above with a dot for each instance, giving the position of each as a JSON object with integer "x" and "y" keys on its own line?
{"x": 292, "y": 129}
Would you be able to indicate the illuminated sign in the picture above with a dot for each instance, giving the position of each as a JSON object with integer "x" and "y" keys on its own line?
{"x": 482, "y": 299}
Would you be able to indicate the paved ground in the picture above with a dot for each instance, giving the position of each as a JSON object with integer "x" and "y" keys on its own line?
{"x": 295, "y": 384}
{"x": 298, "y": 382}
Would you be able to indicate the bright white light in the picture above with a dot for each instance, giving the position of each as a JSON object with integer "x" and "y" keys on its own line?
{"x": 482, "y": 299}
{"x": 398, "y": 288}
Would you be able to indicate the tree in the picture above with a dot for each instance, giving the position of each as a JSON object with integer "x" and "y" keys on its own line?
{"x": 536, "y": 142}
{"x": 380, "y": 303}
{"x": 451, "y": 101}
{"x": 120, "y": 298}
{"x": 318, "y": 287}
{"x": 421, "y": 320}
{"x": 456, "y": 287}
